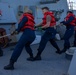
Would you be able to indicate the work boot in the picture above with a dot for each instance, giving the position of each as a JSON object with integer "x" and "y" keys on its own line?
{"x": 64, "y": 50}
{"x": 74, "y": 46}
{"x": 58, "y": 52}
{"x": 1, "y": 53}
{"x": 37, "y": 57}
{"x": 10, "y": 66}
{"x": 31, "y": 58}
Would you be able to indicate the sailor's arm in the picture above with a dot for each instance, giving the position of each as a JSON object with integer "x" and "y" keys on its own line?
{"x": 48, "y": 20}
{"x": 22, "y": 23}
{"x": 40, "y": 24}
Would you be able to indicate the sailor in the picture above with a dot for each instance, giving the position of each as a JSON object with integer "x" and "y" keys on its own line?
{"x": 26, "y": 25}
{"x": 69, "y": 22}
{"x": 48, "y": 24}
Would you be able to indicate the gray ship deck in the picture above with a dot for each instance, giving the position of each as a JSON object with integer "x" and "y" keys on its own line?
{"x": 51, "y": 63}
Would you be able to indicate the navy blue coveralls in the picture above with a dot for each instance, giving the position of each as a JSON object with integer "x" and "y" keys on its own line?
{"x": 69, "y": 32}
{"x": 49, "y": 35}
{"x": 25, "y": 40}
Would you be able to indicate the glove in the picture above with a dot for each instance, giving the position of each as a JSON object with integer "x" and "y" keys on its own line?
{"x": 40, "y": 28}
{"x": 14, "y": 32}
{"x": 35, "y": 27}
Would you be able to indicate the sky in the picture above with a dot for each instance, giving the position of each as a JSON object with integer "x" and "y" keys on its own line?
{"x": 74, "y": 3}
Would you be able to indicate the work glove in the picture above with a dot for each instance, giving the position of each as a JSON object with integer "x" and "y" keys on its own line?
{"x": 14, "y": 32}
{"x": 35, "y": 27}
{"x": 39, "y": 28}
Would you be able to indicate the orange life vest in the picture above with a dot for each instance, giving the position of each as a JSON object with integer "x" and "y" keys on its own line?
{"x": 30, "y": 23}
{"x": 52, "y": 22}
{"x": 68, "y": 16}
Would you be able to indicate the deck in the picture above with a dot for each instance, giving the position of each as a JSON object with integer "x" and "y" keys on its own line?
{"x": 51, "y": 63}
